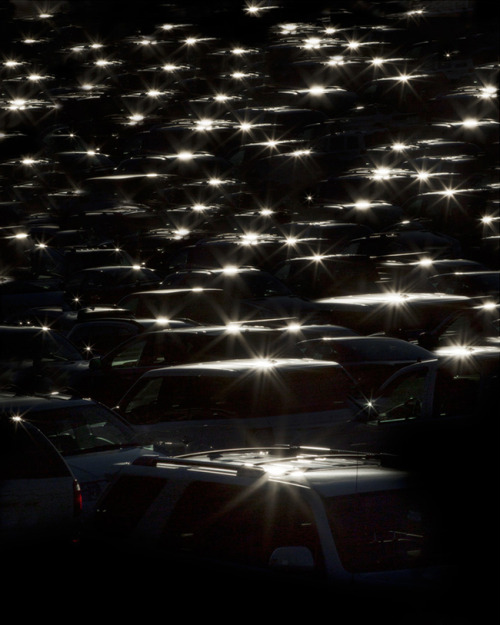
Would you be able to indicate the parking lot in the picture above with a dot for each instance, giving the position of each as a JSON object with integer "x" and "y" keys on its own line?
{"x": 250, "y": 225}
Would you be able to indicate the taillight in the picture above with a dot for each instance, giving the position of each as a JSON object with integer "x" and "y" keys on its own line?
{"x": 77, "y": 498}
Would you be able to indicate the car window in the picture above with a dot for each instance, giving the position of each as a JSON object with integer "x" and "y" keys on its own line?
{"x": 240, "y": 524}
{"x": 80, "y": 429}
{"x": 382, "y": 530}
{"x": 261, "y": 394}
{"x": 129, "y": 356}
{"x": 403, "y": 398}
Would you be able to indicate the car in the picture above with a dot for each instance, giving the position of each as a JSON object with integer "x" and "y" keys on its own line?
{"x": 478, "y": 325}
{"x": 40, "y": 498}
{"x": 105, "y": 285}
{"x": 369, "y": 359}
{"x": 254, "y": 291}
{"x": 110, "y": 375}
{"x": 199, "y": 406}
{"x": 62, "y": 263}
{"x": 214, "y": 306}
{"x": 328, "y": 275}
{"x": 485, "y": 284}
{"x": 36, "y": 358}
{"x": 428, "y": 413}
{"x": 400, "y": 314}
{"x": 343, "y": 523}
{"x": 93, "y": 441}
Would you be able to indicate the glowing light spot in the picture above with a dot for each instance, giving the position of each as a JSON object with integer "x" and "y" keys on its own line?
{"x": 336, "y": 60}
{"x": 204, "y": 124}
{"x": 488, "y": 91}
{"x": 317, "y": 90}
{"x": 214, "y": 181}
{"x": 398, "y": 147}
{"x": 185, "y": 156}
{"x": 17, "y": 104}
{"x": 154, "y": 93}
{"x": 362, "y": 205}
{"x": 425, "y": 262}
{"x": 12, "y": 63}
{"x": 246, "y": 126}
{"x": 230, "y": 270}
{"x": 190, "y": 41}
{"x": 470, "y": 123}
{"x": 170, "y": 67}
{"x": 102, "y": 62}
{"x": 377, "y": 61}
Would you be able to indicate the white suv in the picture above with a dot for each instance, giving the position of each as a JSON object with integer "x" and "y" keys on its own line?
{"x": 338, "y": 518}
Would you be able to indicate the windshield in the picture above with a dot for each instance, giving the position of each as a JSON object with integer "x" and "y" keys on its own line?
{"x": 82, "y": 429}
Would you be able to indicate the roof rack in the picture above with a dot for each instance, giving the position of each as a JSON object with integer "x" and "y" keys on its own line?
{"x": 280, "y": 453}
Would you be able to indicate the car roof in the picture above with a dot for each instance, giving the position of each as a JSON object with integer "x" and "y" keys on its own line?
{"x": 9, "y": 401}
{"x": 326, "y": 471}
{"x": 237, "y": 366}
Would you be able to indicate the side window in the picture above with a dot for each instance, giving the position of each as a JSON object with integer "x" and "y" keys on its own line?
{"x": 143, "y": 407}
{"x": 129, "y": 356}
{"x": 383, "y": 530}
{"x": 238, "y": 524}
{"x": 403, "y": 399}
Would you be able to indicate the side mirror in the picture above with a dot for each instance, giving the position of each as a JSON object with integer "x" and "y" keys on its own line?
{"x": 292, "y": 559}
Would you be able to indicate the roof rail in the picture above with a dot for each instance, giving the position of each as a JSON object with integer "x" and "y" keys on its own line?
{"x": 153, "y": 461}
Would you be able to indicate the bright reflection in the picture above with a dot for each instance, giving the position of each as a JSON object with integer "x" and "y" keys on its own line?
{"x": 425, "y": 262}
{"x": 336, "y": 60}
{"x": 398, "y": 146}
{"x": 312, "y": 42}
{"x": 382, "y": 173}
{"x": 470, "y": 123}
{"x": 488, "y": 91}
{"x": 362, "y": 205}
{"x": 230, "y": 270}
{"x": 246, "y": 126}
{"x": 154, "y": 93}
{"x": 317, "y": 90}
{"x": 377, "y": 61}
{"x": 170, "y": 67}
{"x": 214, "y": 181}
{"x": 17, "y": 104}
{"x": 185, "y": 156}
{"x": 204, "y": 124}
